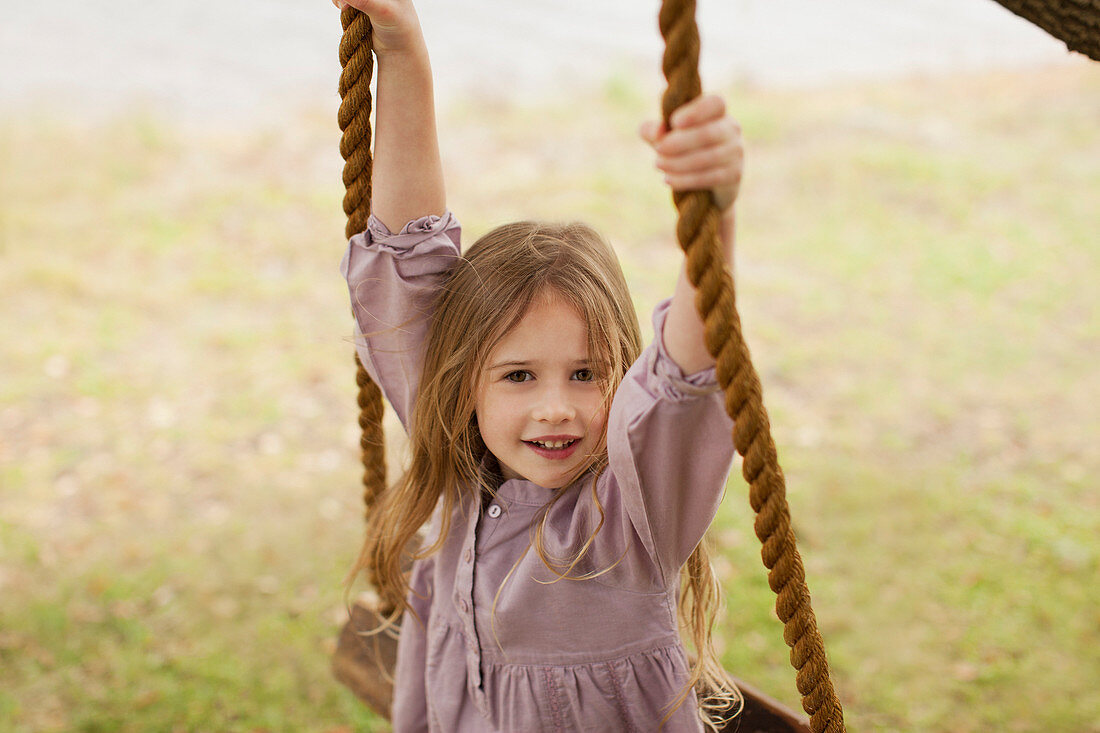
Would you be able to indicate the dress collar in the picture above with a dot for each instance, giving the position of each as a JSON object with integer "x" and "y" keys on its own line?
{"x": 522, "y": 491}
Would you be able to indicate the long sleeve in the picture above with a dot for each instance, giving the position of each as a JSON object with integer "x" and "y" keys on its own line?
{"x": 393, "y": 280}
{"x": 670, "y": 449}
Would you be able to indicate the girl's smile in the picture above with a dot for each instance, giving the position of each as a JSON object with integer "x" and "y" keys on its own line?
{"x": 554, "y": 447}
{"x": 540, "y": 407}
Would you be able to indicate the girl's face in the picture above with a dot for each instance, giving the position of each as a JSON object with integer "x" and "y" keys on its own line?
{"x": 540, "y": 407}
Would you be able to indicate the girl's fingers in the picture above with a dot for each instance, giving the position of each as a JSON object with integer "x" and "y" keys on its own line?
{"x": 701, "y": 109}
{"x": 685, "y": 139}
{"x": 716, "y": 178}
{"x": 698, "y": 111}
{"x": 651, "y": 131}
{"x": 723, "y": 155}
{"x": 363, "y": 6}
{"x": 702, "y": 151}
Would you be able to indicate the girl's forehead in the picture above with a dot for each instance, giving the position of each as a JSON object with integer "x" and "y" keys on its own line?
{"x": 550, "y": 327}
{"x": 549, "y": 319}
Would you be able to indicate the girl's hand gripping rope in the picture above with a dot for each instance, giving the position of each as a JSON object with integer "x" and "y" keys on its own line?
{"x": 396, "y": 26}
{"x": 703, "y": 150}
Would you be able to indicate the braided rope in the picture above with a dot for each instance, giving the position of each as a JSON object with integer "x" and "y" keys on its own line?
{"x": 697, "y": 231}
{"x": 357, "y": 61}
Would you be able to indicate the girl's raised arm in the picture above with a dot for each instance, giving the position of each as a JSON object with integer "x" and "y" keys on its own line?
{"x": 703, "y": 150}
{"x": 408, "y": 173}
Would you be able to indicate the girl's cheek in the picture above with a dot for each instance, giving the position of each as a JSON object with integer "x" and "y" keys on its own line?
{"x": 598, "y": 416}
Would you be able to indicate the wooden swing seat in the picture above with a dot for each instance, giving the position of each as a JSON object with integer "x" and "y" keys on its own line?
{"x": 364, "y": 664}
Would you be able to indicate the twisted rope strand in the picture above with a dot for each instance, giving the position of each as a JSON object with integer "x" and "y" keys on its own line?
{"x": 697, "y": 231}
{"x": 357, "y": 60}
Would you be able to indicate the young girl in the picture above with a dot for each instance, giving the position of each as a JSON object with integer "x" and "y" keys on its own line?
{"x": 563, "y": 477}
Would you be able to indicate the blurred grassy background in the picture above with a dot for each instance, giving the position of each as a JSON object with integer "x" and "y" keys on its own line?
{"x": 916, "y": 270}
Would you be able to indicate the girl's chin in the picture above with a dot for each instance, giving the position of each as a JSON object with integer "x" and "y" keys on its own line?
{"x": 551, "y": 472}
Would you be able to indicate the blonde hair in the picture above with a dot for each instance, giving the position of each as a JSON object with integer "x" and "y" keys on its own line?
{"x": 481, "y": 298}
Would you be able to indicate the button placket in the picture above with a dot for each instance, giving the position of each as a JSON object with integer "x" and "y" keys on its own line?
{"x": 464, "y": 579}
{"x": 464, "y": 590}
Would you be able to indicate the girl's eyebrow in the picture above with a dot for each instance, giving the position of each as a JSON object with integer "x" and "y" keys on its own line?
{"x": 510, "y": 364}
{"x": 519, "y": 363}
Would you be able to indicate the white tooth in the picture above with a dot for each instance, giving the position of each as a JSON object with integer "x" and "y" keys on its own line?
{"x": 553, "y": 444}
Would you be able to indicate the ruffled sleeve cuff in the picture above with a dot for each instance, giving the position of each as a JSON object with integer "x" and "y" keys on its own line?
{"x": 412, "y": 234}
{"x": 428, "y": 234}
{"x": 664, "y": 378}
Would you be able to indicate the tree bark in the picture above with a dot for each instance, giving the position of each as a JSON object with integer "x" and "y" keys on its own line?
{"x": 1074, "y": 22}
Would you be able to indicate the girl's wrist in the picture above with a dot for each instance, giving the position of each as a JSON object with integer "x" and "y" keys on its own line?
{"x": 415, "y": 50}
{"x": 409, "y": 66}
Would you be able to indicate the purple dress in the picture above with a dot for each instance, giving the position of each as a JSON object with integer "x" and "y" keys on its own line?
{"x": 602, "y": 654}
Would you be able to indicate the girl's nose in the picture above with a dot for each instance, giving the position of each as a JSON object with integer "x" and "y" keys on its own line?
{"x": 553, "y": 407}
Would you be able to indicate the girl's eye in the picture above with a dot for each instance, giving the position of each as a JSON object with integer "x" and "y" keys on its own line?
{"x": 517, "y": 377}
{"x": 584, "y": 375}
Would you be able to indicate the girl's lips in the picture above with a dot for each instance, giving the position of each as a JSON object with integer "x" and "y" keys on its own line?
{"x": 554, "y": 453}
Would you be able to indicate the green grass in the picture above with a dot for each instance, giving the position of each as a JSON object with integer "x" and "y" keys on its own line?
{"x": 916, "y": 274}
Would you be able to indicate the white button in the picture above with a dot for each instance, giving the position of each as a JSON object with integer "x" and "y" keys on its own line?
{"x": 494, "y": 510}
{"x": 469, "y": 555}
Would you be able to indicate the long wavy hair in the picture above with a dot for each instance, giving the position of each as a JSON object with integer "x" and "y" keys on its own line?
{"x": 482, "y": 297}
